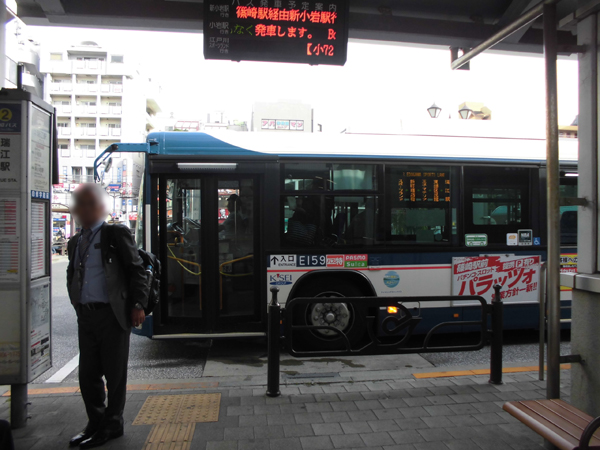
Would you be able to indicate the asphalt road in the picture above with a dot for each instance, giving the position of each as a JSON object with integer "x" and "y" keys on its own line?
{"x": 163, "y": 360}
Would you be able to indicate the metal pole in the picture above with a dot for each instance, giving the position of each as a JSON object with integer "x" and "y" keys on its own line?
{"x": 524, "y": 20}
{"x": 553, "y": 208}
{"x": 18, "y": 405}
{"x": 273, "y": 346}
{"x": 542, "y": 321}
{"x": 497, "y": 341}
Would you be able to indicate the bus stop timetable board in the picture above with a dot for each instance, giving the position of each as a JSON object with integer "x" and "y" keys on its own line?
{"x": 310, "y": 32}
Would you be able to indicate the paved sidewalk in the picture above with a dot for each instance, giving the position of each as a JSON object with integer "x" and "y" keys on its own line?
{"x": 457, "y": 413}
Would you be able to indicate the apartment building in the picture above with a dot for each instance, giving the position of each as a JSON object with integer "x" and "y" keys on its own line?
{"x": 100, "y": 99}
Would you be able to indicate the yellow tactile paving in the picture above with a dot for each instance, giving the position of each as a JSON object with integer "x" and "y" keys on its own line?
{"x": 463, "y": 373}
{"x": 170, "y": 436}
{"x": 164, "y": 409}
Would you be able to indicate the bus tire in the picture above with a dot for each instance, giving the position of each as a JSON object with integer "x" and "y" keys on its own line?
{"x": 329, "y": 289}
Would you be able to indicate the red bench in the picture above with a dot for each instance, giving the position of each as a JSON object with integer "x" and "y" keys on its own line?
{"x": 558, "y": 422}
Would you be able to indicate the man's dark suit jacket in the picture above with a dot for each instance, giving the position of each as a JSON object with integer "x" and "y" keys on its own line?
{"x": 123, "y": 268}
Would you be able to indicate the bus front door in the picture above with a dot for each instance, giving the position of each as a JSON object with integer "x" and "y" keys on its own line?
{"x": 210, "y": 248}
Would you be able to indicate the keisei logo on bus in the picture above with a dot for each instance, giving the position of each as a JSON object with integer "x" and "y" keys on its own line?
{"x": 280, "y": 279}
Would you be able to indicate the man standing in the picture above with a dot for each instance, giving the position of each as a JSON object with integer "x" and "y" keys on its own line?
{"x": 106, "y": 281}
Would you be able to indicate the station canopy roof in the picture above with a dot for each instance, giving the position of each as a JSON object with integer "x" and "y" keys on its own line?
{"x": 450, "y": 23}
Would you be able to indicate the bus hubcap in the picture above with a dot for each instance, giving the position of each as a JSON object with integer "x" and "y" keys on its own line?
{"x": 335, "y": 315}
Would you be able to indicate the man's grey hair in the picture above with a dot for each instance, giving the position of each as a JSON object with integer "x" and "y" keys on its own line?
{"x": 89, "y": 188}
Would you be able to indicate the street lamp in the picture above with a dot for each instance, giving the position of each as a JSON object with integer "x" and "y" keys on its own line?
{"x": 434, "y": 111}
{"x": 465, "y": 112}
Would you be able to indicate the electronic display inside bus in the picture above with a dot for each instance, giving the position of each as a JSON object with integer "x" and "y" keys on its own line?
{"x": 424, "y": 186}
{"x": 311, "y": 32}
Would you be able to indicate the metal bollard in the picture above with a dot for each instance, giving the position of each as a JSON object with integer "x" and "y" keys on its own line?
{"x": 273, "y": 345}
{"x": 18, "y": 405}
{"x": 497, "y": 328}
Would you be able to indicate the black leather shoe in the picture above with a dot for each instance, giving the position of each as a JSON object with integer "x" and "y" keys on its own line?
{"x": 101, "y": 437}
{"x": 79, "y": 438}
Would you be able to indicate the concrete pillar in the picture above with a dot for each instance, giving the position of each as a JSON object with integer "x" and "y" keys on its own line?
{"x": 585, "y": 334}
{"x": 585, "y": 341}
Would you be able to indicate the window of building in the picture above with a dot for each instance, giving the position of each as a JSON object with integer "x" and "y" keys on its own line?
{"x": 116, "y": 58}
{"x": 329, "y": 177}
{"x": 496, "y": 201}
{"x": 419, "y": 205}
{"x": 114, "y": 104}
{"x": 89, "y": 174}
{"x": 89, "y": 149}
{"x": 56, "y": 56}
{"x": 114, "y": 125}
{"x": 76, "y": 174}
{"x": 568, "y": 214}
{"x": 87, "y": 125}
{"x": 62, "y": 102}
{"x": 63, "y": 124}
{"x": 65, "y": 150}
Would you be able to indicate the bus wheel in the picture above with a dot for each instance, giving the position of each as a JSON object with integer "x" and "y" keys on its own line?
{"x": 331, "y": 311}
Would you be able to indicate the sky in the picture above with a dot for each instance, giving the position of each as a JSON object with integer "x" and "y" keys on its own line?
{"x": 382, "y": 84}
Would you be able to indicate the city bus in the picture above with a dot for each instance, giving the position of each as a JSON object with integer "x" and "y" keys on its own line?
{"x": 334, "y": 216}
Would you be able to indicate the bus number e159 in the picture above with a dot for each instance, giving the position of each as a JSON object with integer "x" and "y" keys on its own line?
{"x": 312, "y": 260}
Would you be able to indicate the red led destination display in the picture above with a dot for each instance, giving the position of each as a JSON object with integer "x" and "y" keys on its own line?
{"x": 313, "y": 32}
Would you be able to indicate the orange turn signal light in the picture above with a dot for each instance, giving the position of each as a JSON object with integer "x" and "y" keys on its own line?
{"x": 392, "y": 310}
{"x": 456, "y": 316}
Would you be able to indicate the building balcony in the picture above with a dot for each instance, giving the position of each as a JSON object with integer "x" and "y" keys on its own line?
{"x": 63, "y": 109}
{"x": 111, "y": 89}
{"x": 64, "y": 131}
{"x": 86, "y": 110}
{"x": 110, "y": 110}
{"x": 61, "y": 87}
{"x": 85, "y": 88}
{"x": 84, "y": 131}
{"x": 109, "y": 131}
{"x": 52, "y": 66}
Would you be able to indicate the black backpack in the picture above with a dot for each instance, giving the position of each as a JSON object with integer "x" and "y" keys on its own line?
{"x": 153, "y": 270}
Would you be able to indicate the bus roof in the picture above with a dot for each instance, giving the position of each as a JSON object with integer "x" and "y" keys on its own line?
{"x": 359, "y": 146}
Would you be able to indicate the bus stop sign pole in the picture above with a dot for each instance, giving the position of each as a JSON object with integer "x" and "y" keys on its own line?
{"x": 26, "y": 144}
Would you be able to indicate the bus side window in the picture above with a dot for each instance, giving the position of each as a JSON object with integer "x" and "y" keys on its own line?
{"x": 418, "y": 199}
{"x": 301, "y": 220}
{"x": 568, "y": 214}
{"x": 496, "y": 201}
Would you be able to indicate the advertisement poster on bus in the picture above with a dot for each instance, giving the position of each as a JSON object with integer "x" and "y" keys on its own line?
{"x": 519, "y": 277}
{"x": 568, "y": 264}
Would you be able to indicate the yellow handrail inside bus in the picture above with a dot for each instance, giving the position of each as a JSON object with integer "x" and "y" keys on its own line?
{"x": 181, "y": 261}
{"x": 233, "y": 261}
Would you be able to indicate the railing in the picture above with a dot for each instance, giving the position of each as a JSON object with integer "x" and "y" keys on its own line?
{"x": 382, "y": 335}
